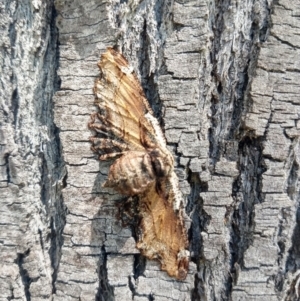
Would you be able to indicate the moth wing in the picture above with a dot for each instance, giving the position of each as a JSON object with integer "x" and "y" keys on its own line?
{"x": 163, "y": 234}
{"x": 121, "y": 99}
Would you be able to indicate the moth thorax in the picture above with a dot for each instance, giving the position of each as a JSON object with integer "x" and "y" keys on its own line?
{"x": 162, "y": 162}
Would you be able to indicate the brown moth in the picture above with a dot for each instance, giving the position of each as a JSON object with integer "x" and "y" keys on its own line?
{"x": 143, "y": 166}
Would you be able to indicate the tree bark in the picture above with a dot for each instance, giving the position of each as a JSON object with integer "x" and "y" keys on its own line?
{"x": 222, "y": 78}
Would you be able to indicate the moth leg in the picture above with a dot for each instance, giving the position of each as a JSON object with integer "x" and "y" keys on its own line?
{"x": 100, "y": 104}
{"x": 99, "y": 128}
{"x": 105, "y": 143}
{"x": 102, "y": 119}
{"x": 93, "y": 121}
{"x": 105, "y": 127}
{"x": 110, "y": 155}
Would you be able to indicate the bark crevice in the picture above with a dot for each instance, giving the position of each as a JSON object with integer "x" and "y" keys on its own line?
{"x": 105, "y": 290}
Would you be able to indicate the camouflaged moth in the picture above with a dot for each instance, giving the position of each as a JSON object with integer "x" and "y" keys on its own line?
{"x": 127, "y": 131}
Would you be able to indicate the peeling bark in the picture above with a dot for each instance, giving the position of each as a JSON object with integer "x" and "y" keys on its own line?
{"x": 222, "y": 78}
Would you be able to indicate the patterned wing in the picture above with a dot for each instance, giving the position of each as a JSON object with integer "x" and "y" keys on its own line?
{"x": 163, "y": 234}
{"x": 121, "y": 101}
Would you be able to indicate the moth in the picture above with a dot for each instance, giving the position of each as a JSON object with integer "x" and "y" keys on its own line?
{"x": 127, "y": 131}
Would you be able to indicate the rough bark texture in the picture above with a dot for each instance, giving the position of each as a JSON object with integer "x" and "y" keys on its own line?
{"x": 223, "y": 79}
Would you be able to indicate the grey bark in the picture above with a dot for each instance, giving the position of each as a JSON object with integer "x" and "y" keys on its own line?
{"x": 223, "y": 79}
